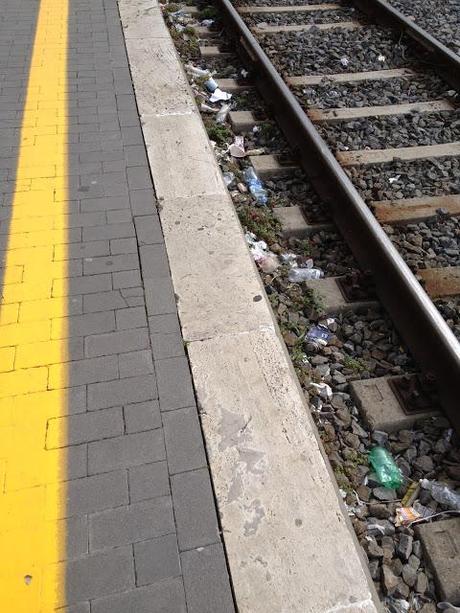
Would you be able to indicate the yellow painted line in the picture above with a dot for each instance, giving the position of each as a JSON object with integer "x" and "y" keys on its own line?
{"x": 33, "y": 487}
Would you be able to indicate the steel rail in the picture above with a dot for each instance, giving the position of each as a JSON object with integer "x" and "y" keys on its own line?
{"x": 429, "y": 339}
{"x": 447, "y": 63}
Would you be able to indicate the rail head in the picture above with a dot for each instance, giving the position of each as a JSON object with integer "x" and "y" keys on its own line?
{"x": 420, "y": 324}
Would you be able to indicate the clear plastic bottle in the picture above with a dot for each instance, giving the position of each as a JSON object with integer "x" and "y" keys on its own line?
{"x": 255, "y": 186}
{"x": 442, "y": 494}
{"x": 297, "y": 275}
{"x": 388, "y": 473}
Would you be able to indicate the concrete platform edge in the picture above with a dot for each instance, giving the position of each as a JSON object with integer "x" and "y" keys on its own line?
{"x": 289, "y": 543}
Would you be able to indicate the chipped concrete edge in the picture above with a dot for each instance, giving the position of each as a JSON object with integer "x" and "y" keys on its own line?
{"x": 289, "y": 543}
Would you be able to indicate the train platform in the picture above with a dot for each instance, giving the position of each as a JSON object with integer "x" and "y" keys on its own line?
{"x": 155, "y": 451}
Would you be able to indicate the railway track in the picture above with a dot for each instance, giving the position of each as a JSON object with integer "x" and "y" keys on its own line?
{"x": 402, "y": 232}
{"x": 431, "y": 122}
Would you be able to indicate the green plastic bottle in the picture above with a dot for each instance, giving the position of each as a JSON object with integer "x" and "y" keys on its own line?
{"x": 385, "y": 468}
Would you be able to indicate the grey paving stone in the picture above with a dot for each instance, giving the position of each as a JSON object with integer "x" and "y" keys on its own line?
{"x": 77, "y": 536}
{"x": 148, "y": 230}
{"x": 206, "y": 581}
{"x": 123, "y": 245}
{"x": 83, "y": 325}
{"x": 103, "y": 301}
{"x": 143, "y": 201}
{"x": 169, "y": 345}
{"x": 132, "y": 291}
{"x": 174, "y": 384}
{"x": 104, "y": 204}
{"x": 120, "y": 230}
{"x": 130, "y": 524}
{"x": 77, "y": 461}
{"x": 156, "y": 559}
{"x": 99, "y": 575}
{"x": 126, "y": 102}
{"x": 89, "y": 249}
{"x": 135, "y": 363}
{"x": 81, "y": 372}
{"x": 184, "y": 441}
{"x": 135, "y": 301}
{"x": 111, "y": 263}
{"x": 81, "y": 607}
{"x": 164, "y": 597}
{"x": 163, "y": 324}
{"x": 159, "y": 296}
{"x": 117, "y": 342}
{"x": 142, "y": 416}
{"x": 135, "y": 155}
{"x": 154, "y": 262}
{"x": 125, "y": 451}
{"x": 194, "y": 509}
{"x": 83, "y": 285}
{"x": 148, "y": 481}
{"x": 95, "y": 493}
{"x": 119, "y": 216}
{"x": 128, "y": 278}
{"x": 133, "y": 136}
{"x": 85, "y": 427}
{"x": 134, "y": 317}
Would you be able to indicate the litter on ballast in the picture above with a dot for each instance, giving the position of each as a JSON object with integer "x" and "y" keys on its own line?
{"x": 298, "y": 275}
{"x": 442, "y": 494}
{"x": 318, "y": 335}
{"x": 195, "y": 71}
{"x": 266, "y": 260}
{"x": 255, "y": 186}
{"x": 211, "y": 85}
{"x": 411, "y": 494}
{"x": 229, "y": 178}
{"x": 207, "y": 109}
{"x": 236, "y": 149}
{"x": 219, "y": 96}
{"x": 324, "y": 390}
{"x": 222, "y": 113}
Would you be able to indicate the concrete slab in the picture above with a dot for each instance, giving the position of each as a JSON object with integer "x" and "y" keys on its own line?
{"x": 379, "y": 406}
{"x": 162, "y": 89}
{"x": 278, "y": 505}
{"x": 282, "y": 517}
{"x": 145, "y": 16}
{"x": 328, "y": 290}
{"x": 441, "y": 544}
{"x": 269, "y": 166}
{"x": 292, "y": 221}
{"x": 181, "y": 157}
{"x": 242, "y": 121}
{"x": 218, "y": 289}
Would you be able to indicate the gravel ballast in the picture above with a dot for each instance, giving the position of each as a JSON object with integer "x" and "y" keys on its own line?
{"x": 393, "y": 131}
{"x": 311, "y": 17}
{"x": 440, "y": 19}
{"x": 397, "y": 179}
{"x": 434, "y": 243}
{"x": 283, "y": 2}
{"x": 373, "y": 93}
{"x": 318, "y": 52}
